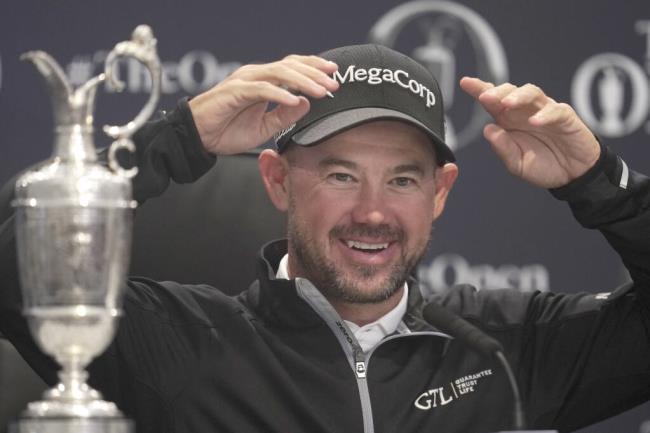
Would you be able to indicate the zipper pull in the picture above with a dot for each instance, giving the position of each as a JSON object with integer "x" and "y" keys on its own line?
{"x": 360, "y": 365}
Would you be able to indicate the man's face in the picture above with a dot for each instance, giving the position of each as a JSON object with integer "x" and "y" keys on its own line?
{"x": 360, "y": 210}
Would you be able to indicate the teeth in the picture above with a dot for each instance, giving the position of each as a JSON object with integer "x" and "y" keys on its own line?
{"x": 365, "y": 246}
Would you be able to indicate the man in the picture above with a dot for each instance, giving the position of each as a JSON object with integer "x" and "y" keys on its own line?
{"x": 331, "y": 337}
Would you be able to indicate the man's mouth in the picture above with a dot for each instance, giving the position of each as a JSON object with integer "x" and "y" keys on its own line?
{"x": 367, "y": 247}
{"x": 367, "y": 252}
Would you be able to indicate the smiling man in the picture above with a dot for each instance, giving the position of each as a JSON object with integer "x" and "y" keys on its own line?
{"x": 358, "y": 177}
{"x": 387, "y": 192}
{"x": 331, "y": 337}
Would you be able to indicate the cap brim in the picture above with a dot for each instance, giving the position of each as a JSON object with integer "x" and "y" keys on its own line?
{"x": 336, "y": 123}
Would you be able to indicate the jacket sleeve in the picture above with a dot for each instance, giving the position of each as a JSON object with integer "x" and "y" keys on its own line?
{"x": 616, "y": 200}
{"x": 585, "y": 357}
{"x": 169, "y": 149}
{"x": 580, "y": 358}
{"x": 606, "y": 337}
{"x": 166, "y": 149}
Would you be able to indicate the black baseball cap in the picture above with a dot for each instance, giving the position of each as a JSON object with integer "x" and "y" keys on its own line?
{"x": 376, "y": 83}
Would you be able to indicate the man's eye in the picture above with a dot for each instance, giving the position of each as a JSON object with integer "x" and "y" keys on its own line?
{"x": 403, "y": 181}
{"x": 341, "y": 177}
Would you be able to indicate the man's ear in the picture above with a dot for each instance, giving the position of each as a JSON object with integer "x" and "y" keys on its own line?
{"x": 274, "y": 169}
{"x": 445, "y": 178}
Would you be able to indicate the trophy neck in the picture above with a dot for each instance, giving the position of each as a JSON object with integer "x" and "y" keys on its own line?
{"x": 74, "y": 123}
{"x": 74, "y": 144}
{"x": 73, "y": 109}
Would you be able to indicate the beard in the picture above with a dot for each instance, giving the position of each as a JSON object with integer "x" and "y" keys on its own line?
{"x": 331, "y": 280}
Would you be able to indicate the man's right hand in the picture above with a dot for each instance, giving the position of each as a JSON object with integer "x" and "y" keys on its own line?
{"x": 233, "y": 116}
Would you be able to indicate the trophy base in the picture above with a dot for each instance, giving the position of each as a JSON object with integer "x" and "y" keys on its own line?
{"x": 71, "y": 409}
{"x": 71, "y": 425}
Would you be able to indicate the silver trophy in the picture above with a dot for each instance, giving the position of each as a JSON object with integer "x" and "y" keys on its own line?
{"x": 73, "y": 233}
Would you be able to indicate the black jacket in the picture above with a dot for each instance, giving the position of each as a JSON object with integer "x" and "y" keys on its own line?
{"x": 277, "y": 358}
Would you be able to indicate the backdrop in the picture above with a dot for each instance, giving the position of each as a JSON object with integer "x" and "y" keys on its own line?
{"x": 496, "y": 232}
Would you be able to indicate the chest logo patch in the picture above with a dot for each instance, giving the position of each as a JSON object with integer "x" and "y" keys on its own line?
{"x": 454, "y": 390}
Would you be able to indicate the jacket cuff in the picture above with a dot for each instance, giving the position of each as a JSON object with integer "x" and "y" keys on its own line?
{"x": 602, "y": 194}
{"x": 604, "y": 178}
{"x": 182, "y": 121}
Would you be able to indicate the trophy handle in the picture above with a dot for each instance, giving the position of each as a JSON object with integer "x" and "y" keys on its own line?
{"x": 142, "y": 47}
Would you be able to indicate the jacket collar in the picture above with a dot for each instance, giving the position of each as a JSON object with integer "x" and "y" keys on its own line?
{"x": 277, "y": 301}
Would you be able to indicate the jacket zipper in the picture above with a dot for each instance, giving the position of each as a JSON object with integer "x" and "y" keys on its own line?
{"x": 364, "y": 392}
{"x": 356, "y": 357}
{"x": 353, "y": 352}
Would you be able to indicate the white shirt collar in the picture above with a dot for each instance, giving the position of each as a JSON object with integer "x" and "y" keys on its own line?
{"x": 283, "y": 269}
{"x": 369, "y": 334}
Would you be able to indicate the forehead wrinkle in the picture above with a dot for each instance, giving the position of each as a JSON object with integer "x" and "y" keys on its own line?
{"x": 333, "y": 161}
{"x": 413, "y": 167}
{"x": 410, "y": 168}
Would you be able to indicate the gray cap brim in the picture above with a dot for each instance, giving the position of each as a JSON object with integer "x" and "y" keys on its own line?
{"x": 336, "y": 123}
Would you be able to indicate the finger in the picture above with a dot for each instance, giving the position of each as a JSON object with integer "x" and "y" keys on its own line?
{"x": 316, "y": 75}
{"x": 491, "y": 98}
{"x": 261, "y": 91}
{"x": 498, "y": 92}
{"x": 505, "y": 147}
{"x": 283, "y": 75}
{"x": 283, "y": 116}
{"x": 317, "y": 62}
{"x": 313, "y": 67}
{"x": 528, "y": 94}
{"x": 474, "y": 86}
{"x": 553, "y": 114}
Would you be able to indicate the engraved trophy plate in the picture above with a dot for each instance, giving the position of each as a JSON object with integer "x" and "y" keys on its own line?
{"x": 73, "y": 234}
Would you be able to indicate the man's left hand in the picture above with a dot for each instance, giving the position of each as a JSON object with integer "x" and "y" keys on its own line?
{"x": 538, "y": 139}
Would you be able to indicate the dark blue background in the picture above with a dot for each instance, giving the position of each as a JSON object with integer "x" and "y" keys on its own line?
{"x": 492, "y": 220}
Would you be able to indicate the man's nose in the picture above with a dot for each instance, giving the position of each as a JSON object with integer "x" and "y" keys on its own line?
{"x": 370, "y": 207}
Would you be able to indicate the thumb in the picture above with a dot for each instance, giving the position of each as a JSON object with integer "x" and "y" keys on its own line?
{"x": 505, "y": 147}
{"x": 284, "y": 116}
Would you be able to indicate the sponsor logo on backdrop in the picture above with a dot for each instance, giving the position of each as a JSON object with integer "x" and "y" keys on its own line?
{"x": 441, "y": 25}
{"x": 193, "y": 72}
{"x": 447, "y": 270}
{"x": 611, "y": 91}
